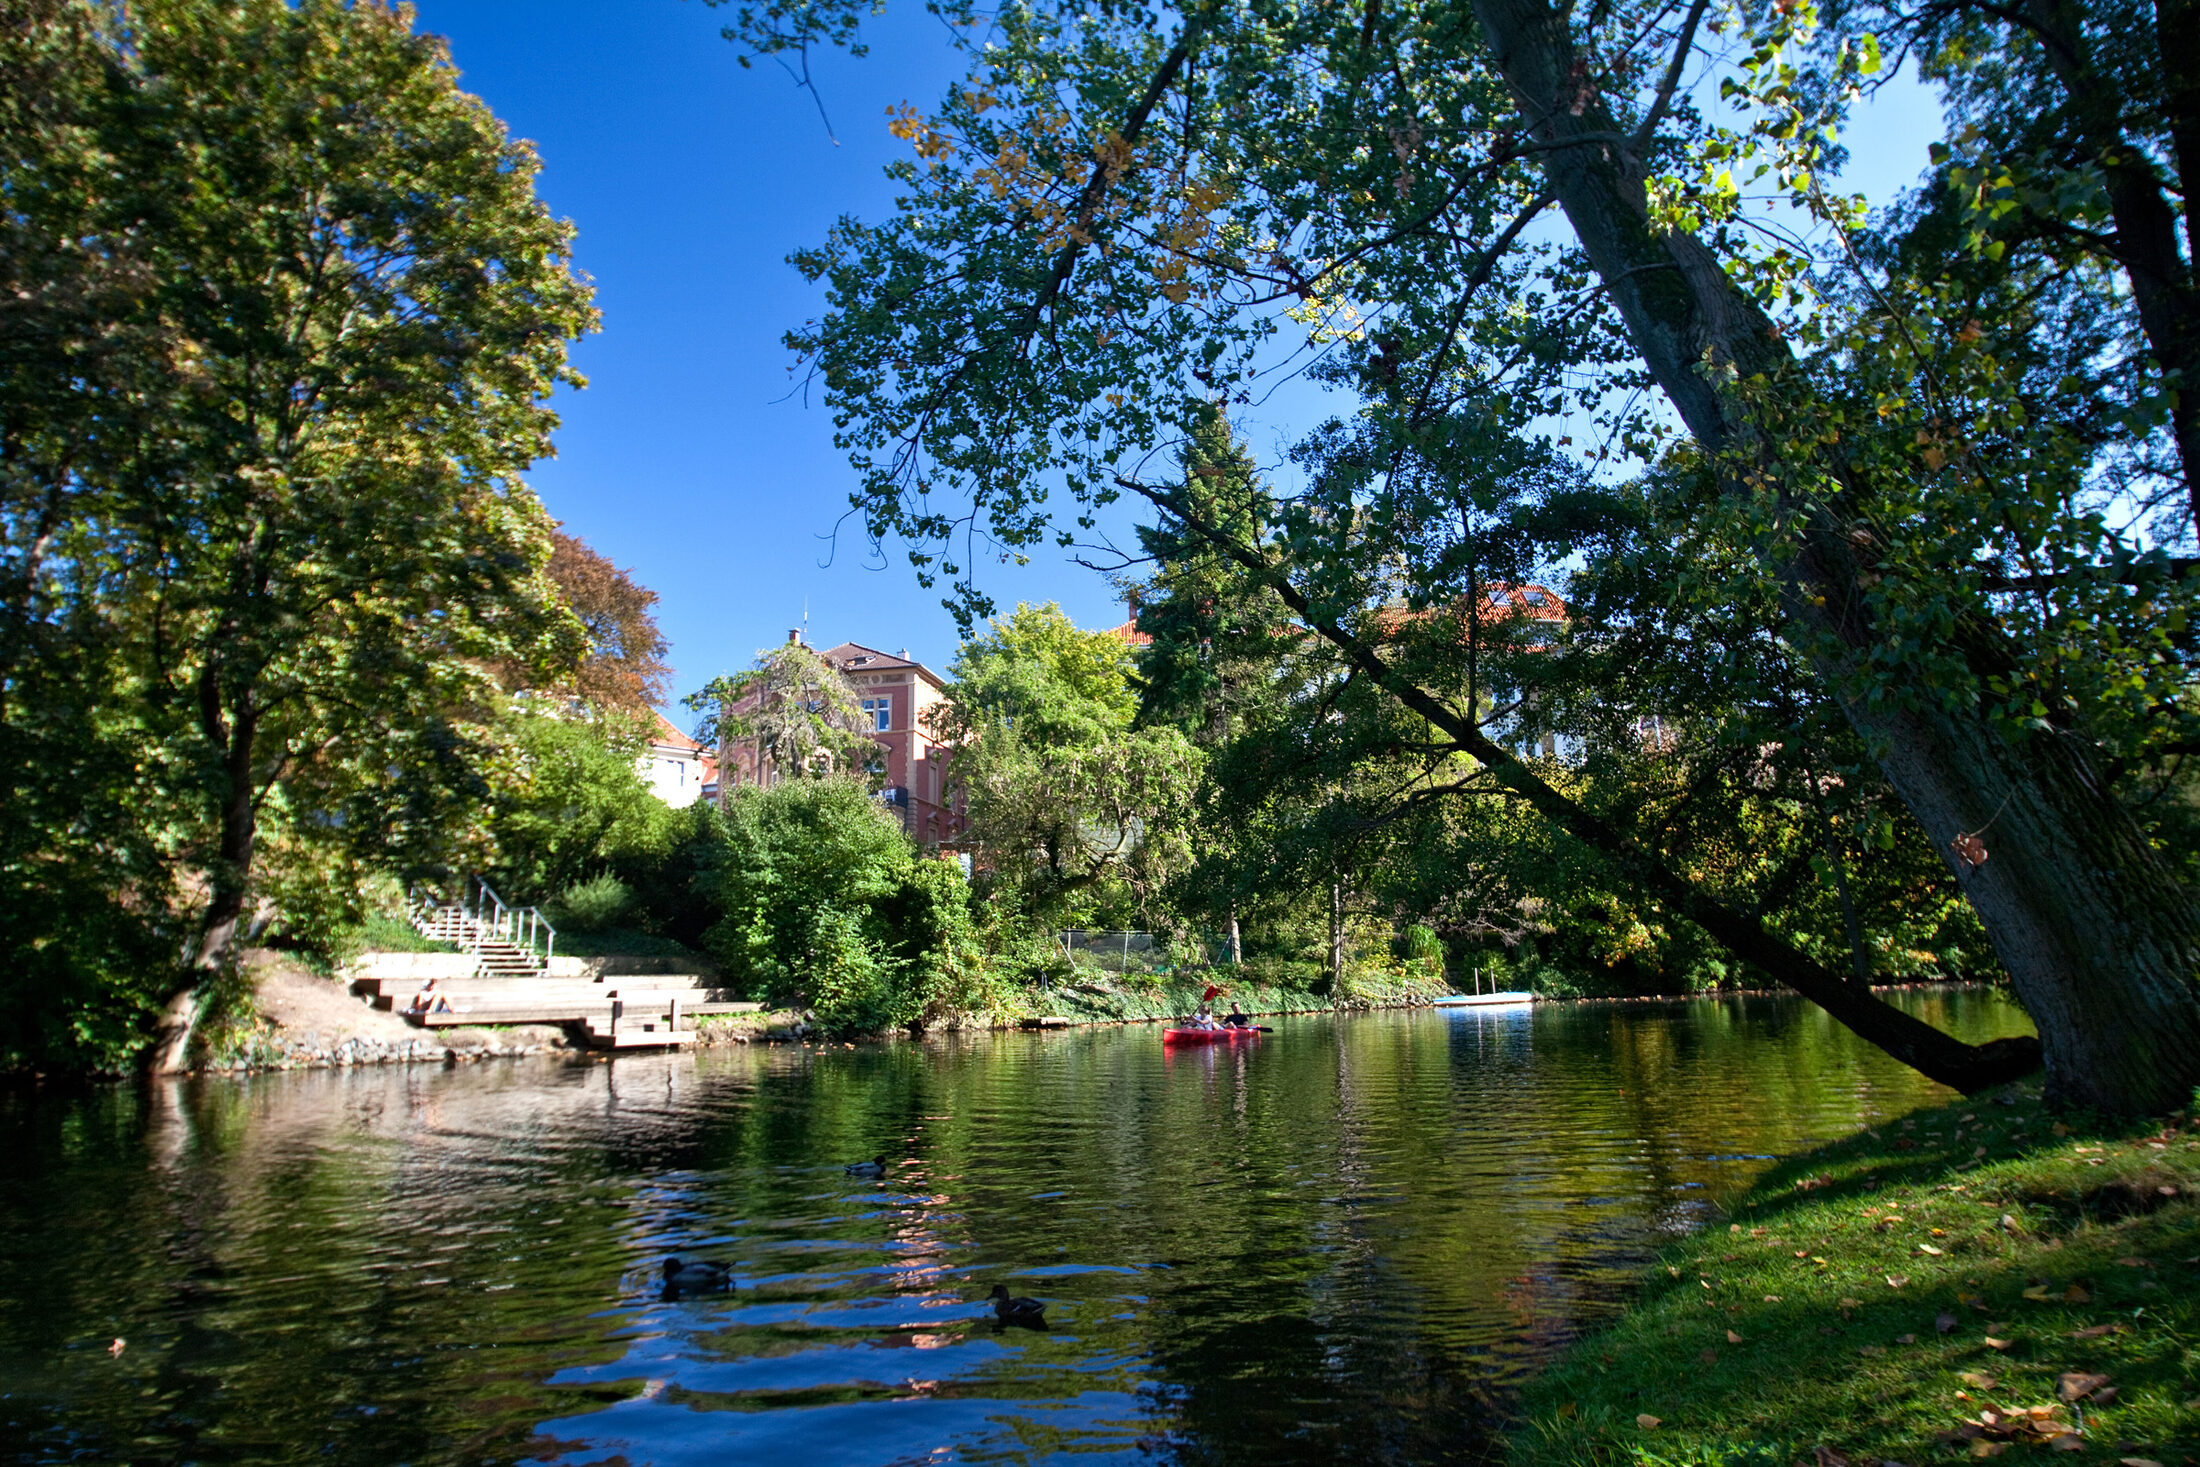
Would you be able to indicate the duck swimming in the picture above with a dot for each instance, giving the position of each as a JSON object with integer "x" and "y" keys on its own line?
{"x": 695, "y": 1278}
{"x": 875, "y": 1167}
{"x": 1022, "y": 1313}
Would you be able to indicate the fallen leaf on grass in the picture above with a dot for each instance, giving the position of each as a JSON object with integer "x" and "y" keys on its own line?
{"x": 2076, "y": 1385}
{"x": 2137, "y": 1462}
{"x": 1646, "y": 1421}
{"x": 1905, "y": 1339}
{"x": 1851, "y": 1304}
{"x": 1669, "y": 1268}
{"x": 1943, "y": 1322}
{"x": 2038, "y": 1293}
{"x": 1994, "y": 1344}
{"x": 1897, "y": 1280}
{"x": 1802, "y": 1253}
{"x": 2076, "y": 1294}
{"x": 1733, "y": 1338}
{"x": 1984, "y": 1448}
{"x": 1772, "y": 1298}
{"x": 2069, "y": 1441}
{"x": 1928, "y": 1248}
{"x": 1982, "y": 1382}
{"x": 2094, "y": 1331}
{"x": 2135, "y": 1263}
{"x": 1871, "y": 1350}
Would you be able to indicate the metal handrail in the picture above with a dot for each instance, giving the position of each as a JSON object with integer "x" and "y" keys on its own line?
{"x": 483, "y": 917}
{"x": 519, "y": 926}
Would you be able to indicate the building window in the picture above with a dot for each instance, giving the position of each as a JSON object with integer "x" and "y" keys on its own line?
{"x": 881, "y": 713}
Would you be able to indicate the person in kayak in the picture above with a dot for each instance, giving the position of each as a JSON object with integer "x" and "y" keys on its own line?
{"x": 1236, "y": 1019}
{"x": 1204, "y": 1019}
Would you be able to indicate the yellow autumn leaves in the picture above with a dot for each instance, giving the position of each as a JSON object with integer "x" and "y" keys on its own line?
{"x": 1070, "y": 190}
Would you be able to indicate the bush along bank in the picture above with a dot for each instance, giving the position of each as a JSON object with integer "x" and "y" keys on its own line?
{"x": 1135, "y": 998}
{"x": 1970, "y": 1281}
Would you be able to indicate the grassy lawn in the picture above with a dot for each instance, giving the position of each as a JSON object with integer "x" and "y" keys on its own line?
{"x": 1973, "y": 1281}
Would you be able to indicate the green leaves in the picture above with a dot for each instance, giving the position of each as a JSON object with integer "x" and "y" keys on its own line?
{"x": 300, "y": 314}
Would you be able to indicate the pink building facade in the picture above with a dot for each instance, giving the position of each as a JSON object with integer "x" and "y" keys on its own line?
{"x": 894, "y": 693}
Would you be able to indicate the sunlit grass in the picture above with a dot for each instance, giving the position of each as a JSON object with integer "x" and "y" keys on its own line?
{"x": 1897, "y": 1296}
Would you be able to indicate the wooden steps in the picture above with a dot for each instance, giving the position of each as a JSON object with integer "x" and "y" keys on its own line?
{"x": 657, "y": 1011}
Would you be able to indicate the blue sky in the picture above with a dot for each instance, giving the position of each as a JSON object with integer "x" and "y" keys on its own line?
{"x": 691, "y": 457}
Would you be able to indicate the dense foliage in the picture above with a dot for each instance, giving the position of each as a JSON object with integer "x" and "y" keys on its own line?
{"x": 1068, "y": 799}
{"x": 282, "y": 313}
{"x": 827, "y": 906}
{"x": 1912, "y": 487}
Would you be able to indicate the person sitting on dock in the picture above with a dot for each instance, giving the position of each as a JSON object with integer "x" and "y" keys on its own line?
{"x": 429, "y": 1001}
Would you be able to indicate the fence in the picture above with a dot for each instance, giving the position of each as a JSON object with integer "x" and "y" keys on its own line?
{"x": 1112, "y": 952}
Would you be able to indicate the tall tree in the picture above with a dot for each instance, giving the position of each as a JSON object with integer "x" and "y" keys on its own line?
{"x": 263, "y": 509}
{"x": 1063, "y": 790}
{"x": 1111, "y": 220}
{"x": 625, "y": 666}
{"x": 793, "y": 715}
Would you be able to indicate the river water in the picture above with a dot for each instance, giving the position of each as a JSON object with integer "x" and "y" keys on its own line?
{"x": 1343, "y": 1242}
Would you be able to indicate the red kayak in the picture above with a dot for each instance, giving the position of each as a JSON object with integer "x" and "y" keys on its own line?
{"x": 1206, "y": 1036}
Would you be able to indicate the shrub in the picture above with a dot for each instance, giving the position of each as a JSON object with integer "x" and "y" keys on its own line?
{"x": 825, "y": 905}
{"x": 594, "y": 904}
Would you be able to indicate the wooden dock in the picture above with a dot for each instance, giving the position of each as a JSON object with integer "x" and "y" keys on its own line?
{"x": 623, "y": 1012}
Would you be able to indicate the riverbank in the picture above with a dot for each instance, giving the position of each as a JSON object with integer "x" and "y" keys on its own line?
{"x": 299, "y": 1019}
{"x": 1097, "y": 1001}
{"x": 1977, "y": 1278}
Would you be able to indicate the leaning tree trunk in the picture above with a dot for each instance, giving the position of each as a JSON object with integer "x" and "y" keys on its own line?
{"x": 2099, "y": 937}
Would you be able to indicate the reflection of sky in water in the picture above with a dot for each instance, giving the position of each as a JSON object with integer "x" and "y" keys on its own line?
{"x": 1341, "y": 1242}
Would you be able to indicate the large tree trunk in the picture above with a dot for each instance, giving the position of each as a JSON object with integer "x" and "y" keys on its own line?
{"x": 1336, "y": 941}
{"x": 2100, "y": 939}
{"x": 228, "y": 886}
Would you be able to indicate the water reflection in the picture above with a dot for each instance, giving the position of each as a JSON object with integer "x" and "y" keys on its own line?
{"x": 1344, "y": 1241}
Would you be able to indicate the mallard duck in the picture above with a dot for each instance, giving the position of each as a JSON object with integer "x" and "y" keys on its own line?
{"x": 1023, "y": 1313}
{"x": 875, "y": 1167}
{"x": 695, "y": 1278}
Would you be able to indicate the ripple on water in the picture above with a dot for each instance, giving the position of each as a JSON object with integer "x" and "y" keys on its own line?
{"x": 1344, "y": 1243}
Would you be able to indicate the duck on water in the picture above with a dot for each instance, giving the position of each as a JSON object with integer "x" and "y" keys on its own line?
{"x": 1018, "y": 1313}
{"x": 698, "y": 1277}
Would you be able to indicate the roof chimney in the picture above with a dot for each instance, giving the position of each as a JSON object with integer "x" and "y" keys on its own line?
{"x": 903, "y": 654}
{"x": 794, "y": 636}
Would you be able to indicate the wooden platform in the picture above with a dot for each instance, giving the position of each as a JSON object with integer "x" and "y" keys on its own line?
{"x": 621, "y": 1013}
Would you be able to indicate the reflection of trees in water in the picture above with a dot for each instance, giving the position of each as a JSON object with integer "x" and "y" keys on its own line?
{"x": 292, "y": 1259}
{"x": 1368, "y": 1228}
